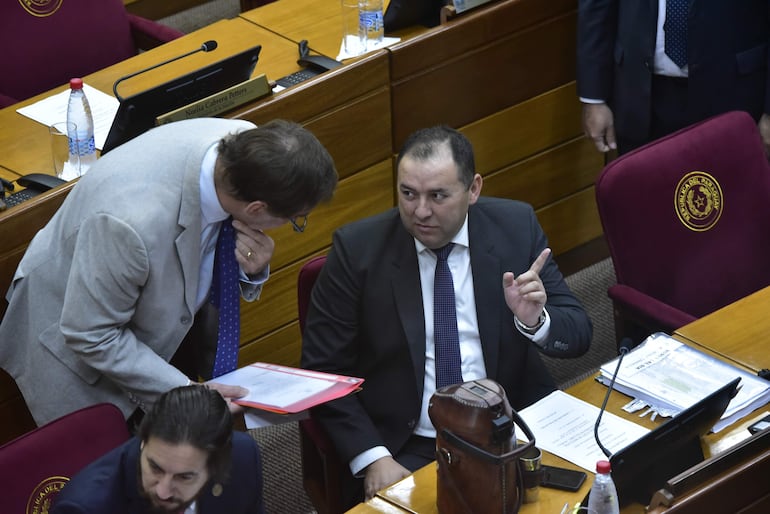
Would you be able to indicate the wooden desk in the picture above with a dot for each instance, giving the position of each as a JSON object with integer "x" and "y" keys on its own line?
{"x": 417, "y": 493}
{"x": 737, "y": 331}
{"x": 24, "y": 142}
{"x": 317, "y": 21}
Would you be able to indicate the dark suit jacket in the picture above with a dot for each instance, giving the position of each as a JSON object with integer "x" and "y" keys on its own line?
{"x": 727, "y": 58}
{"x": 109, "y": 485}
{"x": 366, "y": 319}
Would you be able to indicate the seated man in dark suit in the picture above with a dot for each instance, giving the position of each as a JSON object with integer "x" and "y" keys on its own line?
{"x": 186, "y": 459}
{"x": 372, "y": 309}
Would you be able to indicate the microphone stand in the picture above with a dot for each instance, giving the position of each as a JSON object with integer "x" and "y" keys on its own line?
{"x": 625, "y": 344}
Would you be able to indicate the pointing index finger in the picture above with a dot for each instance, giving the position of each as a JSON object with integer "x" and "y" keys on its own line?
{"x": 540, "y": 261}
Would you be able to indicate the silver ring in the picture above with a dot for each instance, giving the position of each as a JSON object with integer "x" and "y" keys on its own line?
{"x": 248, "y": 255}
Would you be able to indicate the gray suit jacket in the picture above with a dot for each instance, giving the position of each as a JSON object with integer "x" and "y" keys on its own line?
{"x": 366, "y": 319}
{"x": 106, "y": 290}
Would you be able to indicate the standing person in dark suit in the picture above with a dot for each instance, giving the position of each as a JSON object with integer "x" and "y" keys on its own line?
{"x": 647, "y": 68}
{"x": 186, "y": 459}
{"x": 372, "y": 308}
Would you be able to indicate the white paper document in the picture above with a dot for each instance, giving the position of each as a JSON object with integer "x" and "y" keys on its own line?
{"x": 671, "y": 376}
{"x": 564, "y": 425}
{"x": 53, "y": 109}
{"x": 287, "y": 390}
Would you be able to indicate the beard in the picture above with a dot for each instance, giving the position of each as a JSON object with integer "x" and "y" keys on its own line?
{"x": 153, "y": 504}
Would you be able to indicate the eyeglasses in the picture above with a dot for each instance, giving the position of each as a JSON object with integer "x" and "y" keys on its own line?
{"x": 299, "y": 223}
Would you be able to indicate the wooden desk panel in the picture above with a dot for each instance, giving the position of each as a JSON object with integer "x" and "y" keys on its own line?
{"x": 348, "y": 109}
{"x": 483, "y": 63}
{"x": 738, "y": 331}
{"x": 20, "y": 135}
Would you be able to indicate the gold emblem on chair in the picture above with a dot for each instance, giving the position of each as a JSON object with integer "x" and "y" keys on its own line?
{"x": 41, "y": 8}
{"x": 698, "y": 201}
{"x": 42, "y": 496}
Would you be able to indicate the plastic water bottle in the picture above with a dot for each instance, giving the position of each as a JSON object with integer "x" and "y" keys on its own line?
{"x": 79, "y": 112}
{"x": 604, "y": 497}
{"x": 370, "y": 26}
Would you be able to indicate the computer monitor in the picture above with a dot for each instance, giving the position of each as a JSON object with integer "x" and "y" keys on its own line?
{"x": 401, "y": 14}
{"x": 643, "y": 467}
{"x": 136, "y": 114}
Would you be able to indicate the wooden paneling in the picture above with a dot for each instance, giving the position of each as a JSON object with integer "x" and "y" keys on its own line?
{"x": 348, "y": 109}
{"x": 524, "y": 129}
{"x": 571, "y": 222}
{"x": 478, "y": 65}
{"x": 549, "y": 176}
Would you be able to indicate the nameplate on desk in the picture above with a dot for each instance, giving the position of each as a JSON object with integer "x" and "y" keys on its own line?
{"x": 220, "y": 102}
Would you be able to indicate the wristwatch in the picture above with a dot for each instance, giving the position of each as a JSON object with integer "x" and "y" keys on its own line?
{"x": 534, "y": 328}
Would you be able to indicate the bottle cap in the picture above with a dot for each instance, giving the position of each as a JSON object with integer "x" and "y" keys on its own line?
{"x": 603, "y": 466}
{"x": 76, "y": 83}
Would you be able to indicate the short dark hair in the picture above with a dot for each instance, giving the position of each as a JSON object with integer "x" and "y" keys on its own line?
{"x": 194, "y": 415}
{"x": 425, "y": 143}
{"x": 280, "y": 163}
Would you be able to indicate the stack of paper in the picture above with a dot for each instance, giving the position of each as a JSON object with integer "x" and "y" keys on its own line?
{"x": 670, "y": 376}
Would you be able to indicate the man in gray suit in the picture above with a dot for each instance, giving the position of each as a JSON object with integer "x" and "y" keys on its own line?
{"x": 371, "y": 313}
{"x": 110, "y": 287}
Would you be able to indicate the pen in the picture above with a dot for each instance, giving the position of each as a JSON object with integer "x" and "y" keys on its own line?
{"x": 565, "y": 508}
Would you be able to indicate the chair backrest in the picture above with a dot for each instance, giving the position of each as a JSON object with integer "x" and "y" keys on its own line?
{"x": 687, "y": 217}
{"x": 35, "y": 466}
{"x": 322, "y": 471}
{"x": 307, "y": 276}
{"x": 47, "y": 43}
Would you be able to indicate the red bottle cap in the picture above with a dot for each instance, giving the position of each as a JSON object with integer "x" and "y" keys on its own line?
{"x": 603, "y": 467}
{"x": 76, "y": 83}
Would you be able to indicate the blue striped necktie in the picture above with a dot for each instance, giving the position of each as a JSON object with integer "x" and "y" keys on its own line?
{"x": 445, "y": 337}
{"x": 225, "y": 296}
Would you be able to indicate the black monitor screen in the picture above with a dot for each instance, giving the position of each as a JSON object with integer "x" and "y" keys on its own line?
{"x": 401, "y": 14}
{"x": 642, "y": 467}
{"x": 136, "y": 114}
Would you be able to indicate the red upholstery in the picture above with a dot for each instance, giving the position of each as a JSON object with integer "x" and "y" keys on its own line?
{"x": 35, "y": 466}
{"x": 669, "y": 274}
{"x": 45, "y": 46}
{"x": 321, "y": 468}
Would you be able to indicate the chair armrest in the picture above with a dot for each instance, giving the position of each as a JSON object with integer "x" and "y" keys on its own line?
{"x": 648, "y": 310}
{"x": 6, "y": 100}
{"x": 149, "y": 34}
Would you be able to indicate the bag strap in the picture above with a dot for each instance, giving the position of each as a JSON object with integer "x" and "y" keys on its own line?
{"x": 491, "y": 457}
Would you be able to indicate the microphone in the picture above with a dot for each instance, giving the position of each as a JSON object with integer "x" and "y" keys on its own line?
{"x": 208, "y": 46}
{"x": 625, "y": 346}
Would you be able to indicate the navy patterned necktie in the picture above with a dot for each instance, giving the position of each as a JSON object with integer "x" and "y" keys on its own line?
{"x": 445, "y": 337}
{"x": 675, "y": 29}
{"x": 225, "y": 296}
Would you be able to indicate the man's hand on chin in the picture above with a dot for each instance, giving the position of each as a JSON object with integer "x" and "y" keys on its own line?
{"x": 382, "y": 473}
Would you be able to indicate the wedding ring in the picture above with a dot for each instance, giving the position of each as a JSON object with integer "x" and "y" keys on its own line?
{"x": 248, "y": 255}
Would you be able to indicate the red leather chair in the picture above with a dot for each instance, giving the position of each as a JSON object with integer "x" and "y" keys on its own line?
{"x": 687, "y": 221}
{"x": 47, "y": 43}
{"x": 322, "y": 470}
{"x": 35, "y": 466}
